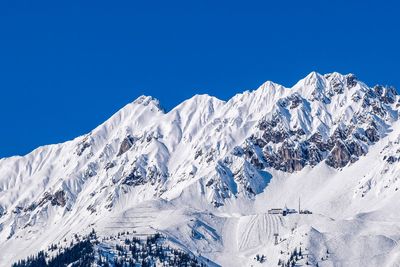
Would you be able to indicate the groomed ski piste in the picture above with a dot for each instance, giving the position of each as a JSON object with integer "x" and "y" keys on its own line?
{"x": 183, "y": 174}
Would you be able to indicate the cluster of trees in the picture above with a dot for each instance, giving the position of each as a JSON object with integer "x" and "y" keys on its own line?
{"x": 326, "y": 256}
{"x": 37, "y": 260}
{"x": 80, "y": 254}
{"x": 260, "y": 258}
{"x": 129, "y": 252}
{"x": 295, "y": 256}
{"x": 148, "y": 252}
{"x": 322, "y": 259}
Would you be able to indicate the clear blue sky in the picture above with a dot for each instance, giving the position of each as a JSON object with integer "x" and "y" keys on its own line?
{"x": 66, "y": 66}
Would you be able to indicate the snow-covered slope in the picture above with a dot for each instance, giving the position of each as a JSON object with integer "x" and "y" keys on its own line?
{"x": 206, "y": 173}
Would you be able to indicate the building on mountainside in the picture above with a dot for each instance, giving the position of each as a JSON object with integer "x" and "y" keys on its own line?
{"x": 285, "y": 211}
{"x": 305, "y": 212}
{"x": 289, "y": 211}
{"x": 276, "y": 211}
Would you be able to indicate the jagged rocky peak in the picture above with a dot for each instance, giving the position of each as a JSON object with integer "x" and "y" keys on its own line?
{"x": 144, "y": 101}
{"x": 147, "y": 100}
{"x": 333, "y": 79}
{"x": 336, "y": 79}
{"x": 314, "y": 79}
{"x": 322, "y": 88}
{"x": 295, "y": 134}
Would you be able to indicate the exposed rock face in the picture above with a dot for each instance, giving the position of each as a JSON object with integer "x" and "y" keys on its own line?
{"x": 56, "y": 199}
{"x": 2, "y": 211}
{"x": 372, "y": 134}
{"x": 274, "y": 136}
{"x": 290, "y": 151}
{"x": 126, "y": 144}
{"x": 133, "y": 179}
{"x": 142, "y": 173}
{"x": 351, "y": 80}
{"x": 288, "y": 157}
{"x": 109, "y": 165}
{"x": 386, "y": 95}
{"x": 339, "y": 156}
{"x": 391, "y": 159}
{"x": 83, "y": 145}
{"x": 291, "y": 102}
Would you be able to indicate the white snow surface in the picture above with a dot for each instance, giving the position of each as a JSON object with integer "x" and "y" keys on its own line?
{"x": 161, "y": 181}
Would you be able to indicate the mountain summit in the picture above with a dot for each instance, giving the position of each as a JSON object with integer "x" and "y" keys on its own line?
{"x": 206, "y": 174}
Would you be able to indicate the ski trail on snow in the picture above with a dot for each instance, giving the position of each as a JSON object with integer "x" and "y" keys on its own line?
{"x": 256, "y": 230}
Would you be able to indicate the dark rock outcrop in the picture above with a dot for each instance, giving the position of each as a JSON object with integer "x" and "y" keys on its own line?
{"x": 56, "y": 199}
{"x": 339, "y": 156}
{"x": 126, "y": 144}
{"x": 372, "y": 134}
{"x": 82, "y": 146}
{"x": 351, "y": 80}
{"x": 134, "y": 178}
{"x": 109, "y": 165}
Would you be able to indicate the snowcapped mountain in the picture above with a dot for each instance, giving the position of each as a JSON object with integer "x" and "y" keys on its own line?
{"x": 206, "y": 173}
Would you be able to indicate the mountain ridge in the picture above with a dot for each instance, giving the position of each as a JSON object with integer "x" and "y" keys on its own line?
{"x": 208, "y": 155}
{"x": 146, "y": 99}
